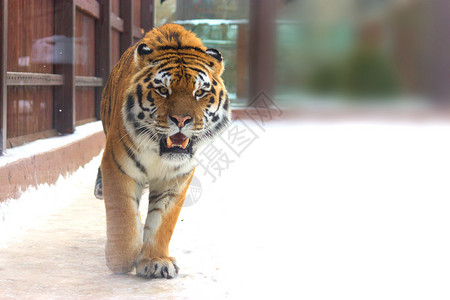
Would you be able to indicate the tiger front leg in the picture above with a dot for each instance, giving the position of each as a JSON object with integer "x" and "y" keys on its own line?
{"x": 123, "y": 224}
{"x": 164, "y": 207}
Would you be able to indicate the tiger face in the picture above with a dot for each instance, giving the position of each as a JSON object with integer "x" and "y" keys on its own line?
{"x": 177, "y": 101}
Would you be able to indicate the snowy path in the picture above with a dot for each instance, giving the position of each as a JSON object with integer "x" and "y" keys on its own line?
{"x": 309, "y": 211}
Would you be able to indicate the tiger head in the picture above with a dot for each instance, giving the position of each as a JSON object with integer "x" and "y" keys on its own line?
{"x": 177, "y": 101}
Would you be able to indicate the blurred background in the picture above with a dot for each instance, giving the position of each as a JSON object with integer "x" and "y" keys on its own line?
{"x": 308, "y": 55}
{"x": 320, "y": 52}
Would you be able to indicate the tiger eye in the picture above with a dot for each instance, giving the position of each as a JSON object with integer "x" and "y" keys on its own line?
{"x": 198, "y": 92}
{"x": 163, "y": 90}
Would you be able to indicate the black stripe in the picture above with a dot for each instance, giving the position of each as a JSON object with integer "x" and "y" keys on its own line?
{"x": 155, "y": 198}
{"x": 166, "y": 69}
{"x": 152, "y": 112}
{"x": 166, "y": 48}
{"x": 168, "y": 55}
{"x": 197, "y": 70}
{"x": 227, "y": 102}
{"x": 133, "y": 157}
{"x": 117, "y": 163}
{"x": 197, "y": 59}
{"x": 147, "y": 79}
{"x": 155, "y": 209}
{"x": 164, "y": 56}
{"x": 150, "y": 98}
{"x": 220, "y": 100}
{"x": 129, "y": 106}
{"x": 139, "y": 95}
{"x": 180, "y": 48}
{"x": 169, "y": 61}
{"x": 139, "y": 92}
{"x": 199, "y": 62}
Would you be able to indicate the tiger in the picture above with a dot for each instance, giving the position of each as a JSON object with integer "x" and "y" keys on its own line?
{"x": 164, "y": 102}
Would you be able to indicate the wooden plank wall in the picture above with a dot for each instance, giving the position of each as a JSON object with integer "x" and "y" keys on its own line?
{"x": 30, "y": 108}
{"x": 3, "y": 65}
{"x": 66, "y": 48}
{"x": 115, "y": 31}
{"x": 84, "y": 65}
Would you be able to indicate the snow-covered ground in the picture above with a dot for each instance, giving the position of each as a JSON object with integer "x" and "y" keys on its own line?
{"x": 42, "y": 145}
{"x": 308, "y": 210}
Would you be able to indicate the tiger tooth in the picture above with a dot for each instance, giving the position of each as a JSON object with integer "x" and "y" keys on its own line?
{"x": 169, "y": 142}
{"x": 185, "y": 143}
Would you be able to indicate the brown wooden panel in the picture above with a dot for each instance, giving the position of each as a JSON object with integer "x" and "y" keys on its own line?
{"x": 138, "y": 33}
{"x": 84, "y": 44}
{"x": 30, "y": 110}
{"x": 30, "y": 36}
{"x": 115, "y": 7}
{"x": 241, "y": 60}
{"x": 12, "y": 110}
{"x": 3, "y": 67}
{"x": 102, "y": 50}
{"x": 147, "y": 15}
{"x": 126, "y": 13}
{"x": 262, "y": 39}
{"x": 85, "y": 103}
{"x": 90, "y": 7}
{"x": 116, "y": 22}
{"x": 65, "y": 61}
{"x": 137, "y": 13}
{"x": 84, "y": 64}
{"x": 115, "y": 47}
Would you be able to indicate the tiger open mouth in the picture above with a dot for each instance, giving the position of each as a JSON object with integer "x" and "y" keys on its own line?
{"x": 177, "y": 143}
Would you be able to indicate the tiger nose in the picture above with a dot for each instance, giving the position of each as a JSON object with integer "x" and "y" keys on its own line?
{"x": 180, "y": 120}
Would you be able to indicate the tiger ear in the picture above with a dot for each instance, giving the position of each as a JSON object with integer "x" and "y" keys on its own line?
{"x": 214, "y": 53}
{"x": 218, "y": 67}
{"x": 143, "y": 49}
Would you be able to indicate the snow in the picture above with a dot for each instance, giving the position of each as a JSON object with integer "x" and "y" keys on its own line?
{"x": 44, "y": 145}
{"x": 310, "y": 210}
{"x": 38, "y": 203}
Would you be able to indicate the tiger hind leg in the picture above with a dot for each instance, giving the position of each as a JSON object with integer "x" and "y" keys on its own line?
{"x": 98, "y": 190}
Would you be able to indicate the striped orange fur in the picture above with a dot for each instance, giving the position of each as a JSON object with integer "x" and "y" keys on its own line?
{"x": 163, "y": 102}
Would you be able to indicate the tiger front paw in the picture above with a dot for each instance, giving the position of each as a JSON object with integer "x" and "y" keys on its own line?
{"x": 158, "y": 267}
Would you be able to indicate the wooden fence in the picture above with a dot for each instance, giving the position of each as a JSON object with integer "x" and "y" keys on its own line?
{"x": 55, "y": 56}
